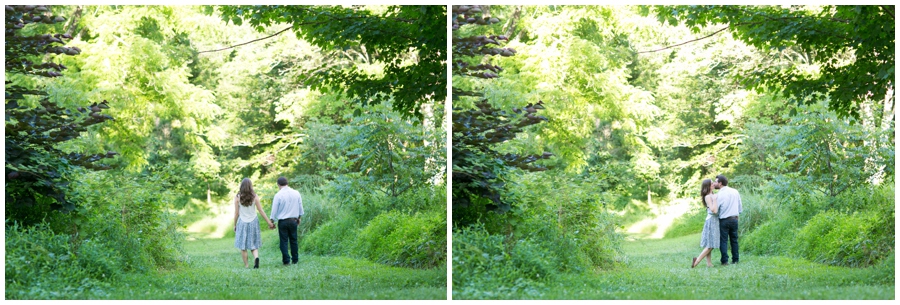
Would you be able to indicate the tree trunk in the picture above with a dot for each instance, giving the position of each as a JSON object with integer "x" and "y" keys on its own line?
{"x": 888, "y": 112}
{"x": 513, "y": 20}
{"x": 73, "y": 21}
{"x": 390, "y": 156}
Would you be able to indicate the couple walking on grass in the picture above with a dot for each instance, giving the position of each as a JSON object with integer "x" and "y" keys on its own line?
{"x": 721, "y": 227}
{"x": 287, "y": 208}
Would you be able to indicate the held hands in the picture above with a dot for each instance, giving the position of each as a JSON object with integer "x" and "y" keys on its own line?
{"x": 271, "y": 226}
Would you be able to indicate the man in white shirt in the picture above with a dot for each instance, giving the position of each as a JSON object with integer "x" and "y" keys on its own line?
{"x": 730, "y": 207}
{"x": 287, "y": 208}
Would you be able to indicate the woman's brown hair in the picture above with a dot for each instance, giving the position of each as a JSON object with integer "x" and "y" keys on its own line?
{"x": 705, "y": 189}
{"x": 246, "y": 192}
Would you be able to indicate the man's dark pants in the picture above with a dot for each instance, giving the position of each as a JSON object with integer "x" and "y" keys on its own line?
{"x": 728, "y": 230}
{"x": 287, "y": 231}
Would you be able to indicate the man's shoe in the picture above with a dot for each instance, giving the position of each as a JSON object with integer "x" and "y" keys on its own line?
{"x": 256, "y": 263}
{"x": 724, "y": 264}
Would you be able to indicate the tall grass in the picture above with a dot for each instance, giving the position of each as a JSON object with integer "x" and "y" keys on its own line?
{"x": 851, "y": 229}
{"x": 121, "y": 225}
{"x": 557, "y": 226}
{"x": 408, "y": 230}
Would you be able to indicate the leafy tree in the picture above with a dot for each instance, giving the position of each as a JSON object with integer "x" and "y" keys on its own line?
{"x": 383, "y": 153}
{"x": 478, "y": 165}
{"x": 409, "y": 40}
{"x": 37, "y": 166}
{"x": 853, "y": 47}
{"x": 817, "y": 151}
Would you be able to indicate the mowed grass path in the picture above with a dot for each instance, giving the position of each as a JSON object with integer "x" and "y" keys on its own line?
{"x": 660, "y": 269}
{"x": 215, "y": 271}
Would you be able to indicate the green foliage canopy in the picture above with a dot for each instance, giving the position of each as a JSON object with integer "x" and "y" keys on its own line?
{"x": 478, "y": 165}
{"x": 409, "y": 40}
{"x": 853, "y": 44}
{"x": 37, "y": 168}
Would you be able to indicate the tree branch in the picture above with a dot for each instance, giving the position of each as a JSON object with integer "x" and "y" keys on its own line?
{"x": 886, "y": 9}
{"x": 686, "y": 42}
{"x": 249, "y": 42}
{"x": 513, "y": 20}
{"x": 70, "y": 27}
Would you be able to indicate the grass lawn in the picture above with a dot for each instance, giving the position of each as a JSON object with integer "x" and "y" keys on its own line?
{"x": 660, "y": 269}
{"x": 215, "y": 271}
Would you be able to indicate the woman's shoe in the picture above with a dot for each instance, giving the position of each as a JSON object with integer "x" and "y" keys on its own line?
{"x": 256, "y": 263}
{"x": 693, "y": 262}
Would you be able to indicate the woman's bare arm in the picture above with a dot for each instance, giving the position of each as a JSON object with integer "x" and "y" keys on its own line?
{"x": 260, "y": 209}
{"x": 237, "y": 211}
{"x": 713, "y": 203}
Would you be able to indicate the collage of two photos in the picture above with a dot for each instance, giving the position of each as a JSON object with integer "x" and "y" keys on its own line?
{"x": 449, "y": 152}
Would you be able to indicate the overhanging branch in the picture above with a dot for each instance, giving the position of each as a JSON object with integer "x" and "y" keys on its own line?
{"x": 249, "y": 42}
{"x": 686, "y": 42}
{"x": 701, "y": 38}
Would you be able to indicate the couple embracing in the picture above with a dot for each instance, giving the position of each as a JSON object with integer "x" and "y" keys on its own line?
{"x": 287, "y": 208}
{"x": 721, "y": 227}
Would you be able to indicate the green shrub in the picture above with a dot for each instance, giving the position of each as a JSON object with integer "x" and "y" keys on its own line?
{"x": 332, "y": 238}
{"x": 131, "y": 214}
{"x": 591, "y": 228}
{"x": 772, "y": 237}
{"x": 884, "y": 269}
{"x": 546, "y": 241}
{"x": 317, "y": 210}
{"x": 398, "y": 239}
{"x": 481, "y": 260}
{"x": 534, "y": 260}
{"x": 41, "y": 264}
{"x": 758, "y": 209}
{"x": 835, "y": 238}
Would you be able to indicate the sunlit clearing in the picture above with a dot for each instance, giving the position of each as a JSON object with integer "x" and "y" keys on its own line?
{"x": 662, "y": 218}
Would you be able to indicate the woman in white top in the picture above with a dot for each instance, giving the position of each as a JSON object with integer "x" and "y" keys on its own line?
{"x": 246, "y": 231}
{"x": 709, "y": 238}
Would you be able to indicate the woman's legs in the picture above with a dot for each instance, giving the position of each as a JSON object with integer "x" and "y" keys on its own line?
{"x": 255, "y": 258}
{"x": 703, "y": 253}
{"x": 244, "y": 255}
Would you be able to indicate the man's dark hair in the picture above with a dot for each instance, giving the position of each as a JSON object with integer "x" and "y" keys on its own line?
{"x": 282, "y": 181}
{"x": 722, "y": 180}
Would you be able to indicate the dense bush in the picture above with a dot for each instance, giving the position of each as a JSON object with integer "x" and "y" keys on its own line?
{"x": 759, "y": 209}
{"x": 400, "y": 239}
{"x": 132, "y": 215}
{"x": 120, "y": 225}
{"x": 565, "y": 210}
{"x": 41, "y": 264}
{"x": 318, "y": 209}
{"x": 854, "y": 228}
{"x": 408, "y": 230}
{"x": 559, "y": 227}
{"x": 331, "y": 238}
{"x": 483, "y": 262}
{"x": 772, "y": 237}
